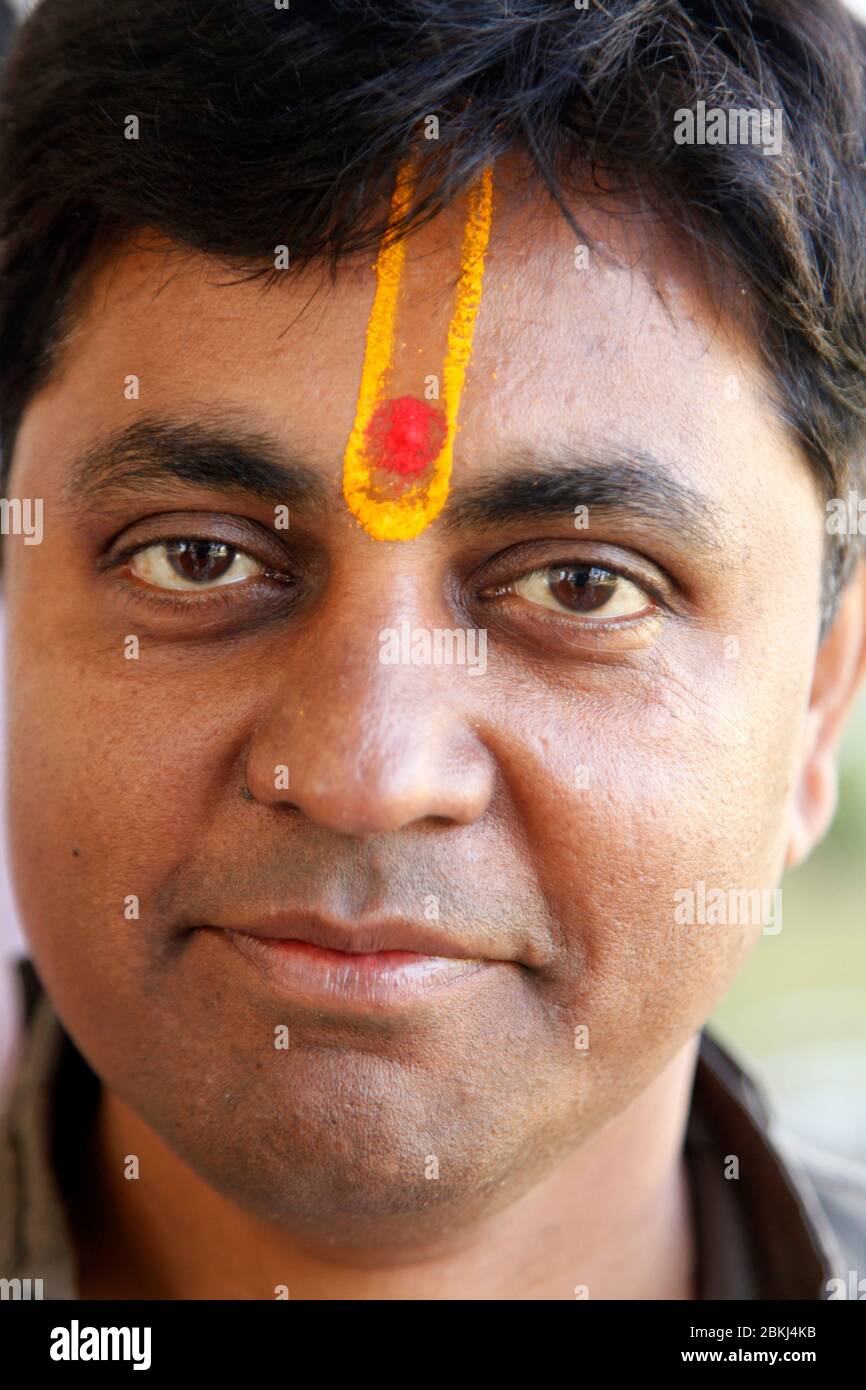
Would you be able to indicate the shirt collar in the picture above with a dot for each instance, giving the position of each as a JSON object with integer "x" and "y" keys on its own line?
{"x": 762, "y": 1233}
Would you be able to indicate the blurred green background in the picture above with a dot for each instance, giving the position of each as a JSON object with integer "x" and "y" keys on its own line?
{"x": 796, "y": 1014}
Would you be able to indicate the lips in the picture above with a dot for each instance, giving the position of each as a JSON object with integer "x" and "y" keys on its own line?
{"x": 392, "y": 934}
{"x": 386, "y": 963}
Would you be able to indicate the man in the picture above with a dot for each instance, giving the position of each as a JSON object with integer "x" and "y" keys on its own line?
{"x": 436, "y": 644}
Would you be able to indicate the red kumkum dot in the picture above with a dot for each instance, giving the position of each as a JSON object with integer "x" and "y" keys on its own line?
{"x": 405, "y": 435}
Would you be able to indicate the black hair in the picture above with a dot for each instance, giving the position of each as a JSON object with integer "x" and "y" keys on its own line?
{"x": 262, "y": 125}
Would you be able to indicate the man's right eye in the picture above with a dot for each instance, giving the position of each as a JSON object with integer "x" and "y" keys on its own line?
{"x": 193, "y": 564}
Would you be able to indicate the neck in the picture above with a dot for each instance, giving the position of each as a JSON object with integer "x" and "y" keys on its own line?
{"x": 613, "y": 1221}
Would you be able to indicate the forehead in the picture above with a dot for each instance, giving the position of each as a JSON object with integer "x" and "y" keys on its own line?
{"x": 616, "y": 338}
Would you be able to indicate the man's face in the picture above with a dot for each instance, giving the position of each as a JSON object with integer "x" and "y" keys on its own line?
{"x": 539, "y": 815}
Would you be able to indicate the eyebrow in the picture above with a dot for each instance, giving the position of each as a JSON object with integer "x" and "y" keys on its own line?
{"x": 549, "y": 484}
{"x": 224, "y": 456}
{"x": 531, "y": 483}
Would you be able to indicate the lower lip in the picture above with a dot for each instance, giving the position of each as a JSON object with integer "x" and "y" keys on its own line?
{"x": 377, "y": 979}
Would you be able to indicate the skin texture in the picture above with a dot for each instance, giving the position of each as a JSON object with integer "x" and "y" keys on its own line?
{"x": 702, "y": 760}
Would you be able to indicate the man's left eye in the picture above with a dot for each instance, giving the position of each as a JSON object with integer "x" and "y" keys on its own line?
{"x": 193, "y": 564}
{"x": 583, "y": 590}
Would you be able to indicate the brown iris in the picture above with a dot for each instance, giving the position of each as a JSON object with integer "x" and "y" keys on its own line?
{"x": 200, "y": 561}
{"x": 582, "y": 588}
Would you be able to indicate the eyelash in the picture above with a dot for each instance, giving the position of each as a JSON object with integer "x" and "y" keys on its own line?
{"x": 658, "y": 601}
{"x": 229, "y": 595}
{"x": 225, "y": 595}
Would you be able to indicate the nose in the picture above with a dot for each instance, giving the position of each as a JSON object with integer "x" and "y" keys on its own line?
{"x": 363, "y": 746}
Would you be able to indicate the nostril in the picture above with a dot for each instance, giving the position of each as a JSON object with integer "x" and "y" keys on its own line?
{"x": 282, "y": 806}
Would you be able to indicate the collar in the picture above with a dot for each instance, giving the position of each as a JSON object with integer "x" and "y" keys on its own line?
{"x": 761, "y": 1230}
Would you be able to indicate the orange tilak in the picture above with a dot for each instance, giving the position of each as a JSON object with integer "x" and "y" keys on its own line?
{"x": 406, "y": 437}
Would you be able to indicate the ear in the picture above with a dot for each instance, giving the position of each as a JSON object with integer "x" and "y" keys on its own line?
{"x": 840, "y": 669}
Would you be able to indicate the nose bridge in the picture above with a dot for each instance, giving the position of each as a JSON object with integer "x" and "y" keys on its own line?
{"x": 372, "y": 732}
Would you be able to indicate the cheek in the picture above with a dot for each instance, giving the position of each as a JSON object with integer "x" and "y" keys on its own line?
{"x": 632, "y": 804}
{"x": 113, "y": 774}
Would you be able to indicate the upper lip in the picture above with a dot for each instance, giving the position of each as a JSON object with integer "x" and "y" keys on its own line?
{"x": 382, "y": 934}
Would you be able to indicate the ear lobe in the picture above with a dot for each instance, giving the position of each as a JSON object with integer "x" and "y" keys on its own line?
{"x": 813, "y": 808}
{"x": 840, "y": 668}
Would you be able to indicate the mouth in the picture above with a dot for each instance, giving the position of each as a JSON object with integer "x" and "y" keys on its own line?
{"x": 385, "y": 964}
